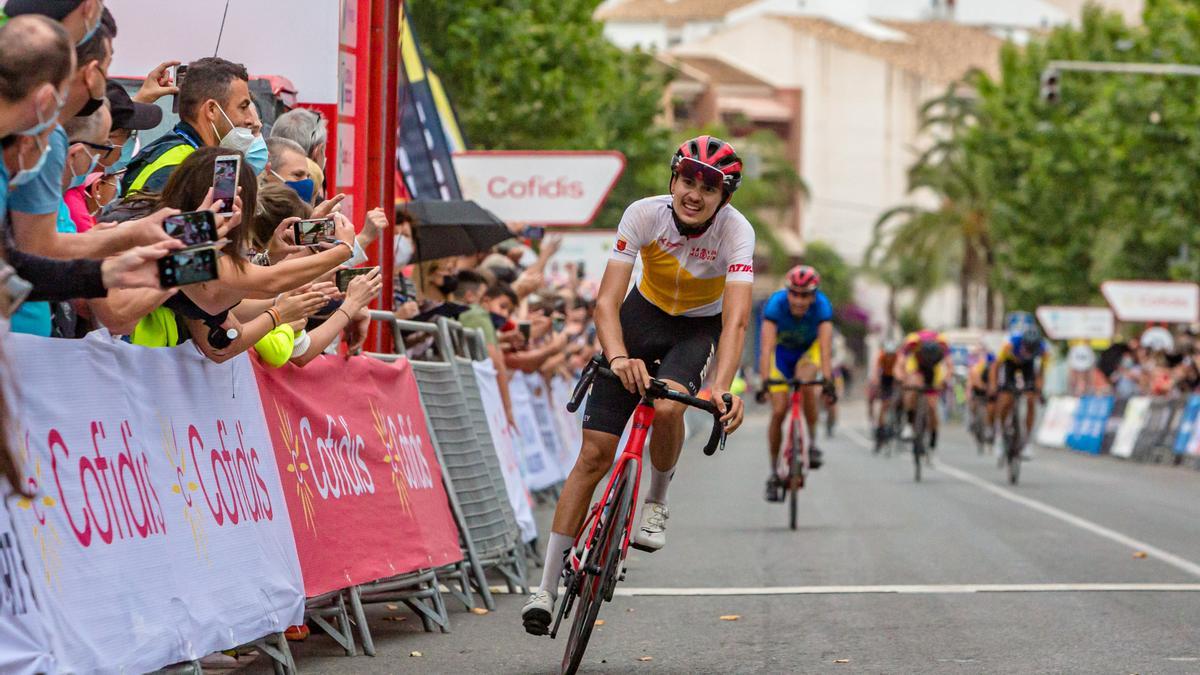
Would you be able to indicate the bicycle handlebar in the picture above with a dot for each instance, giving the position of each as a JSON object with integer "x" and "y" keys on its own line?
{"x": 657, "y": 390}
{"x": 793, "y": 382}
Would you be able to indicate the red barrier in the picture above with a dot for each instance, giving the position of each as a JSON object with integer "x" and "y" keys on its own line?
{"x": 359, "y": 472}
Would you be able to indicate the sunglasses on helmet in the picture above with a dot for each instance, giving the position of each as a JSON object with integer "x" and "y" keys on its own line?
{"x": 701, "y": 172}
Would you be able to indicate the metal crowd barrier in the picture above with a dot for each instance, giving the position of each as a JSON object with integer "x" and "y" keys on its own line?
{"x": 473, "y": 482}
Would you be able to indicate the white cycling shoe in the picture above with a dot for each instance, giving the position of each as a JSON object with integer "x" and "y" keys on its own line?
{"x": 538, "y": 612}
{"x": 652, "y": 534}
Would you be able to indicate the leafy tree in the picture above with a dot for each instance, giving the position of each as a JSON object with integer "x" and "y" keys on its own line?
{"x": 539, "y": 75}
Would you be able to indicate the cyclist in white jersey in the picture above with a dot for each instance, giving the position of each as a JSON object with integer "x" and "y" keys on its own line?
{"x": 693, "y": 299}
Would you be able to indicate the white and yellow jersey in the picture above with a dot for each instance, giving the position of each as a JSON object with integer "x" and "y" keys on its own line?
{"x": 685, "y": 276}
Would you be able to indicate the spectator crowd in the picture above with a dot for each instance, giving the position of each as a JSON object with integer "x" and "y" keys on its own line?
{"x": 90, "y": 207}
{"x": 1158, "y": 363}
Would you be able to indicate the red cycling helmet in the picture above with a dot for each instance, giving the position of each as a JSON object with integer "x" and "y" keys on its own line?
{"x": 803, "y": 277}
{"x": 712, "y": 160}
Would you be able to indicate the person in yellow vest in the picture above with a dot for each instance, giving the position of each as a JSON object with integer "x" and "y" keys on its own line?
{"x": 215, "y": 109}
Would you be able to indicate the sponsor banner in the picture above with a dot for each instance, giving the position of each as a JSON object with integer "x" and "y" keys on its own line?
{"x": 1076, "y": 323}
{"x": 1057, "y": 421}
{"x": 1091, "y": 419}
{"x": 547, "y": 420}
{"x": 539, "y": 467}
{"x": 159, "y": 530}
{"x": 25, "y": 646}
{"x": 1137, "y": 409}
{"x": 1166, "y": 301}
{"x": 359, "y": 471}
{"x": 1186, "y": 439}
{"x": 503, "y": 440}
{"x": 539, "y": 187}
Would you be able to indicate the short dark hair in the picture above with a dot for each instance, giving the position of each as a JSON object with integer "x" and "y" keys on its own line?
{"x": 34, "y": 50}
{"x": 501, "y": 290}
{"x": 94, "y": 49}
{"x": 208, "y": 78}
{"x": 190, "y": 182}
{"x": 469, "y": 280}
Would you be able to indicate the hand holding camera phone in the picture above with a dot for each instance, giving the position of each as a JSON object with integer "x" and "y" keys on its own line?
{"x": 225, "y": 181}
{"x": 196, "y": 263}
{"x": 345, "y": 275}
{"x": 314, "y": 231}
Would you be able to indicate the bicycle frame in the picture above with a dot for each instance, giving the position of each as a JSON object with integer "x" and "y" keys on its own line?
{"x": 796, "y": 406}
{"x": 643, "y": 419}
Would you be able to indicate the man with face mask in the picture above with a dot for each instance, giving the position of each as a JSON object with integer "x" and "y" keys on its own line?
{"x": 36, "y": 58}
{"x": 80, "y": 18}
{"x": 215, "y": 109}
{"x": 89, "y": 143}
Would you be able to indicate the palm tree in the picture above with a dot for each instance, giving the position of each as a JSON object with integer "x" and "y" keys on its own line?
{"x": 955, "y": 234}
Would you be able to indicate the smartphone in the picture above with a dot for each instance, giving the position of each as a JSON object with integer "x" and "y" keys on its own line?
{"x": 558, "y": 322}
{"x": 313, "y": 231}
{"x": 525, "y": 327}
{"x": 345, "y": 275}
{"x": 187, "y": 267}
{"x": 193, "y": 228}
{"x": 225, "y": 180}
{"x": 534, "y": 233}
{"x": 180, "y": 71}
{"x": 579, "y": 270}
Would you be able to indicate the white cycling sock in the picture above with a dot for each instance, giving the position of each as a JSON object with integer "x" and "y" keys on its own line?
{"x": 659, "y": 482}
{"x": 553, "y": 568}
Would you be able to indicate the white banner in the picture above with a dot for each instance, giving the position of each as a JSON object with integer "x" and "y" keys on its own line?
{"x": 1057, "y": 421}
{"x": 538, "y": 465}
{"x": 547, "y": 421}
{"x": 502, "y": 438}
{"x": 1137, "y": 409}
{"x": 159, "y": 530}
{"x": 1076, "y": 323}
{"x": 539, "y": 187}
{"x": 25, "y": 639}
{"x": 570, "y": 428}
{"x": 1166, "y": 301}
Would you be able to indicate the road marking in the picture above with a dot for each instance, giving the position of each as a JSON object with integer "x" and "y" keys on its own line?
{"x": 903, "y": 589}
{"x": 1054, "y": 512}
{"x": 932, "y": 589}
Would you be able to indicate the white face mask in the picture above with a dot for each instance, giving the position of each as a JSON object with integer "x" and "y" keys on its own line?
{"x": 238, "y": 138}
{"x": 402, "y": 250}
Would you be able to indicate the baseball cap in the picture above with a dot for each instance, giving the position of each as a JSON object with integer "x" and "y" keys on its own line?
{"x": 129, "y": 114}
{"x": 55, "y": 9}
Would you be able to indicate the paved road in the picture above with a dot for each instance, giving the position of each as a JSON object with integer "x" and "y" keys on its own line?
{"x": 958, "y": 574}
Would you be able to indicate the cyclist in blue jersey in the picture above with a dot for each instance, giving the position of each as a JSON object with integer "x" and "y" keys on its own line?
{"x": 795, "y": 340}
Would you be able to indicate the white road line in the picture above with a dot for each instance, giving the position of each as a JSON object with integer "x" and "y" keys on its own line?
{"x": 1054, "y": 512}
{"x": 936, "y": 589}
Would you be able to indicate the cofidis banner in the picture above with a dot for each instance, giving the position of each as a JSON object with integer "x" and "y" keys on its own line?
{"x": 159, "y": 531}
{"x": 360, "y": 475}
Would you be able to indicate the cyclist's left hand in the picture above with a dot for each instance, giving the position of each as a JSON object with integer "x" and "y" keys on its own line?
{"x": 829, "y": 391}
{"x": 731, "y": 416}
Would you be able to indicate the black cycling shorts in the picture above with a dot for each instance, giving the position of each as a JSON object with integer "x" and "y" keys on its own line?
{"x": 675, "y": 348}
{"x": 1008, "y": 375}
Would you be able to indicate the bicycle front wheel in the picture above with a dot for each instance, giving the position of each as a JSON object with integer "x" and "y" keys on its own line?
{"x": 597, "y": 585}
{"x": 795, "y": 477}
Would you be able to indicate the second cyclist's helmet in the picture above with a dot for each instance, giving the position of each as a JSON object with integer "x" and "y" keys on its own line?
{"x": 803, "y": 278}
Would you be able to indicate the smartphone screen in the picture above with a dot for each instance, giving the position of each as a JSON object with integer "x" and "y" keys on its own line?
{"x": 310, "y": 232}
{"x": 345, "y": 275}
{"x": 225, "y": 179}
{"x": 180, "y": 71}
{"x": 192, "y": 228}
{"x": 188, "y": 267}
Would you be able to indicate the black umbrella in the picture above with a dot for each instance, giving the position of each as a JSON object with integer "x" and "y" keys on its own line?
{"x": 442, "y": 229}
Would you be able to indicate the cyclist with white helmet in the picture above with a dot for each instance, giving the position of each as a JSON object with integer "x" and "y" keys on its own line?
{"x": 795, "y": 319}
{"x": 693, "y": 298}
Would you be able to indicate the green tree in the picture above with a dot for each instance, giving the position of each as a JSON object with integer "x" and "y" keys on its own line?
{"x": 539, "y": 75}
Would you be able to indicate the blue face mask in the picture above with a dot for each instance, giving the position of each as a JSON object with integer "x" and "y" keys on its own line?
{"x": 256, "y": 155}
{"x": 92, "y": 31}
{"x": 304, "y": 188}
{"x": 131, "y": 147}
{"x": 77, "y": 179}
{"x": 46, "y": 123}
{"x": 25, "y": 175}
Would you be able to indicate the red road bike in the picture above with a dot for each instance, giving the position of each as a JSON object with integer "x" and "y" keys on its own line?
{"x": 791, "y": 467}
{"x": 596, "y": 562}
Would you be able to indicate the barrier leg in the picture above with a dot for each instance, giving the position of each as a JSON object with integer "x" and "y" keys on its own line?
{"x": 364, "y": 631}
{"x": 275, "y": 646}
{"x": 343, "y": 633}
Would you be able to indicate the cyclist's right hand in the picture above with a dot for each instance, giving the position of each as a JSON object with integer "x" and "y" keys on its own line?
{"x": 760, "y": 396}
{"x": 633, "y": 374}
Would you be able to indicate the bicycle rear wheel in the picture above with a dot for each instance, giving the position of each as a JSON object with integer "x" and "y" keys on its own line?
{"x": 597, "y": 585}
